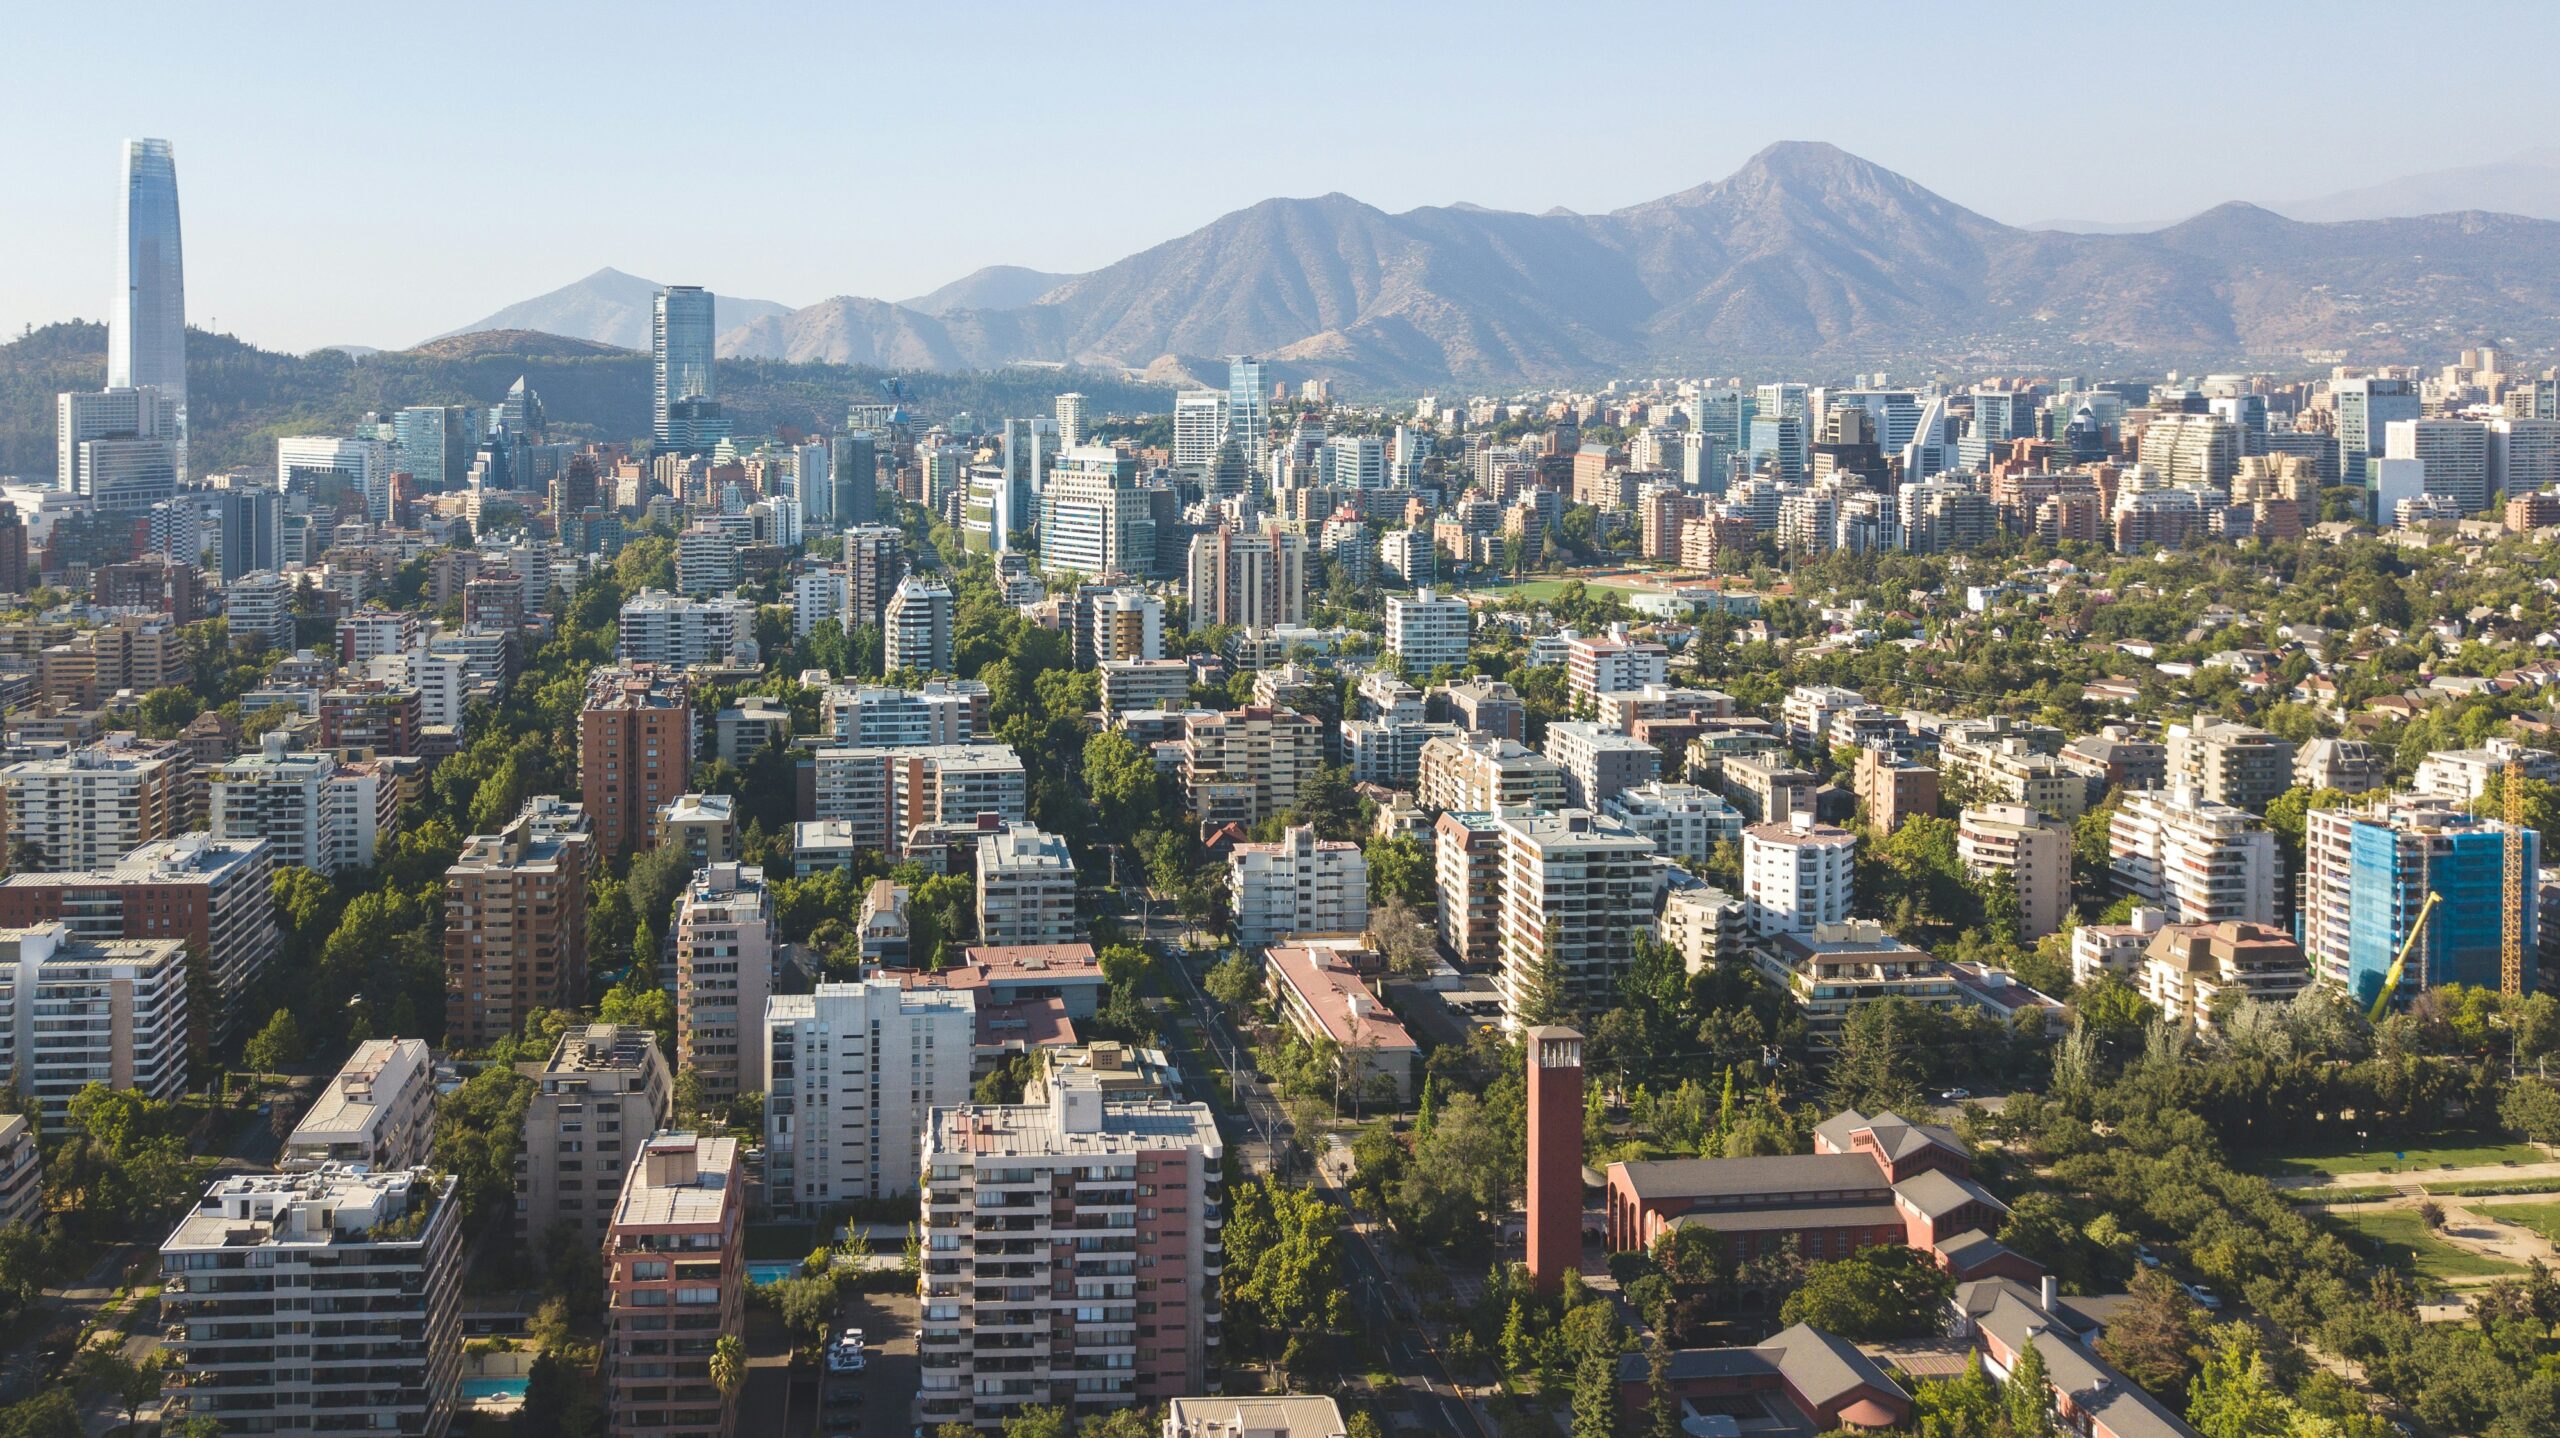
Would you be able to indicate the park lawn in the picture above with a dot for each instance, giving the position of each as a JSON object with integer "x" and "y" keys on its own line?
{"x": 2380, "y": 1158}
{"x": 2398, "y": 1237}
{"x": 2542, "y": 1218}
{"x": 1538, "y": 591}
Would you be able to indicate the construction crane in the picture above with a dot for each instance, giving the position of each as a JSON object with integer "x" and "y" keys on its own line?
{"x": 2400, "y": 961}
{"x": 2511, "y": 937}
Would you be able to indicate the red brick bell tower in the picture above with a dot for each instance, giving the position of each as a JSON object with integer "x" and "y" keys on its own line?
{"x": 1555, "y": 1155}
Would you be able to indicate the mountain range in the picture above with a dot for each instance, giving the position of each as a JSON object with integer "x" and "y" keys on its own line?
{"x": 1805, "y": 256}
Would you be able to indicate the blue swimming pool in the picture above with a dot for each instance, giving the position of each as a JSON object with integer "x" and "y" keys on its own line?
{"x": 761, "y": 1274}
{"x": 475, "y": 1388}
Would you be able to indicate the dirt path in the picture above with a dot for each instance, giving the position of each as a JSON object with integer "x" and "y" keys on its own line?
{"x": 2415, "y": 1178}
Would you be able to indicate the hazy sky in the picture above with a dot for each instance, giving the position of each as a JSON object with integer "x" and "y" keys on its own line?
{"x": 348, "y": 178}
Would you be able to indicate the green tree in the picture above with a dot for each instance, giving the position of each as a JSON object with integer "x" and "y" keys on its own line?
{"x": 276, "y": 1047}
{"x": 1236, "y": 982}
{"x": 1037, "y": 1420}
{"x": 1595, "y": 1394}
{"x": 478, "y": 1128}
{"x": 2028, "y": 1396}
{"x": 1877, "y": 1064}
{"x": 1284, "y": 1272}
{"x": 1888, "y": 1291}
{"x": 2154, "y": 1338}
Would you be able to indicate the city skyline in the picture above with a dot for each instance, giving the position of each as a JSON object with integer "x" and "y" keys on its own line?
{"x": 429, "y": 263}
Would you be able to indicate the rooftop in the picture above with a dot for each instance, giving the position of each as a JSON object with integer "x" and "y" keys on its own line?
{"x": 352, "y": 1102}
{"x": 681, "y": 1178}
{"x": 1340, "y": 999}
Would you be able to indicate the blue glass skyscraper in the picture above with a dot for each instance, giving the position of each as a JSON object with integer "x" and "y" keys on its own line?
{"x": 147, "y": 326}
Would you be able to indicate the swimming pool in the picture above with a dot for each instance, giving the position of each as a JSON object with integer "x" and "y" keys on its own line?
{"x": 761, "y": 1274}
{"x": 478, "y": 1388}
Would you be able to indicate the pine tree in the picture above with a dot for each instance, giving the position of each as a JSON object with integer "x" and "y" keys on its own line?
{"x": 2029, "y": 1396}
{"x": 1595, "y": 1394}
{"x": 1662, "y": 1411}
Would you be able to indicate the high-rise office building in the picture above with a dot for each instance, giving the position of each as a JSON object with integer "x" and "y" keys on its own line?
{"x": 304, "y": 461}
{"x": 684, "y": 399}
{"x": 137, "y": 416}
{"x": 874, "y": 562}
{"x": 857, "y": 479}
{"x": 1070, "y": 408}
{"x": 1248, "y": 410}
{"x": 433, "y": 444}
{"x": 2455, "y": 453}
{"x": 147, "y": 324}
{"x": 2366, "y": 410}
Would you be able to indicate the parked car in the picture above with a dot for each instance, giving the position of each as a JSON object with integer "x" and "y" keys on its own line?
{"x": 2205, "y": 1298}
{"x": 1955, "y": 1095}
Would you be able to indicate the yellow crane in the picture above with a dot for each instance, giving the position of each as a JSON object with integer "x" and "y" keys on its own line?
{"x": 2400, "y": 961}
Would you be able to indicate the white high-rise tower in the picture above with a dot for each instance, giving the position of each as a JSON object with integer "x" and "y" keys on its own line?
{"x": 147, "y": 328}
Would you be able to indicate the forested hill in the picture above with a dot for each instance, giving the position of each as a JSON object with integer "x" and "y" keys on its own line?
{"x": 241, "y": 397}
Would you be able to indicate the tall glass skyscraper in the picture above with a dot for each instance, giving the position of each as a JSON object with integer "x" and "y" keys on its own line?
{"x": 147, "y": 327}
{"x": 681, "y": 334}
{"x": 1248, "y": 413}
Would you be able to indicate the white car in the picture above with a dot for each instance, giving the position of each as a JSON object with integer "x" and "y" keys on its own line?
{"x": 850, "y": 1338}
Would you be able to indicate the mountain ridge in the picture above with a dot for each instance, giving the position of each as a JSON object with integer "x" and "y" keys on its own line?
{"x": 1805, "y": 255}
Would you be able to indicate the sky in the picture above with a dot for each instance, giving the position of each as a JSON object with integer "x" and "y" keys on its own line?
{"x": 352, "y": 179}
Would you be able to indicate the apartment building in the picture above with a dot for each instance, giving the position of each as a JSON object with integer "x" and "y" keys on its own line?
{"x": 1766, "y": 787}
{"x": 1026, "y": 890}
{"x": 368, "y": 717}
{"x": 2025, "y": 850}
{"x": 2368, "y": 870}
{"x": 675, "y": 1274}
{"x": 1481, "y": 706}
{"x": 1575, "y": 889}
{"x": 1245, "y": 765}
{"x": 724, "y": 972}
{"x": 851, "y": 1072}
{"x": 2001, "y": 768}
{"x": 1703, "y": 924}
{"x": 2199, "y": 860}
{"x": 215, "y": 896}
{"x": 1131, "y": 685}
{"x": 374, "y": 1113}
{"x": 875, "y": 716}
{"x": 1682, "y": 820}
{"x": 1323, "y": 999}
{"x": 635, "y": 752}
{"x": 1610, "y": 663}
{"x": 746, "y": 729}
{"x": 1797, "y": 876}
{"x": 1466, "y": 867}
{"x": 114, "y": 1011}
{"x": 2187, "y": 968}
{"x": 2235, "y": 764}
{"x": 674, "y": 632}
{"x": 1299, "y": 885}
{"x": 702, "y": 827}
{"x": 1070, "y": 1254}
{"x": 326, "y": 1302}
{"x": 21, "y": 1172}
{"x": 1427, "y": 631}
{"x": 599, "y": 1096}
{"x": 515, "y": 932}
{"x": 1893, "y": 789}
{"x": 1599, "y": 763}
{"x": 91, "y": 807}
{"x": 313, "y": 812}
{"x": 1483, "y": 772}
{"x": 916, "y": 626}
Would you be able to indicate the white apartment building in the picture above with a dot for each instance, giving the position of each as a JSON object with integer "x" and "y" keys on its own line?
{"x": 313, "y": 812}
{"x": 259, "y": 1273}
{"x": 1798, "y": 875}
{"x": 74, "y": 1012}
{"x": 1389, "y": 751}
{"x": 1612, "y": 663}
{"x": 1576, "y": 888}
{"x": 259, "y": 606}
{"x": 90, "y": 807}
{"x": 1427, "y": 631}
{"x": 677, "y": 632}
{"x": 852, "y": 1074}
{"x": 818, "y": 594}
{"x": 441, "y": 677}
{"x": 2025, "y": 850}
{"x": 879, "y": 716}
{"x": 883, "y": 794}
{"x": 1683, "y": 820}
{"x": 1703, "y": 925}
{"x": 1477, "y": 772}
{"x": 1026, "y": 887}
{"x": 1300, "y": 885}
{"x": 724, "y": 971}
{"x": 916, "y": 627}
{"x": 1599, "y": 763}
{"x": 2200, "y": 861}
{"x": 374, "y": 1113}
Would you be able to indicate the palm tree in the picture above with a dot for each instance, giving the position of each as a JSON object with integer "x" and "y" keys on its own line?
{"x": 729, "y": 1365}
